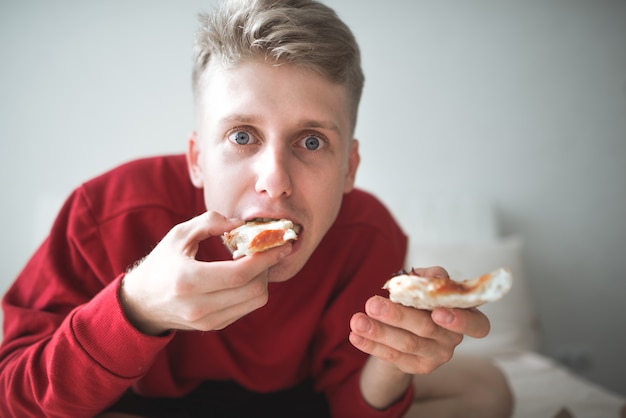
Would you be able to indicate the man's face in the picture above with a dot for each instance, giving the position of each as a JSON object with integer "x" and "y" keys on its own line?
{"x": 274, "y": 142}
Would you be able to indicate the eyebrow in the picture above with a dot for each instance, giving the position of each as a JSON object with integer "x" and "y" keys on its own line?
{"x": 321, "y": 124}
{"x": 242, "y": 119}
{"x": 328, "y": 125}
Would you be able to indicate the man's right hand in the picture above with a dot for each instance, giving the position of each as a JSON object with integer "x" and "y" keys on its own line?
{"x": 170, "y": 289}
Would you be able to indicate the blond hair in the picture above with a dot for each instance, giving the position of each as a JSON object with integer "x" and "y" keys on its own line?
{"x": 305, "y": 33}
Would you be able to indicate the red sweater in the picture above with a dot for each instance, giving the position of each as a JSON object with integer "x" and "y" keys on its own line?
{"x": 68, "y": 350}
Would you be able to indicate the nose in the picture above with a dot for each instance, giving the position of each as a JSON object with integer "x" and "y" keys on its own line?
{"x": 273, "y": 173}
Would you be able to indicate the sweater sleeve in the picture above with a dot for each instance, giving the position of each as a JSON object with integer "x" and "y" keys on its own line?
{"x": 68, "y": 348}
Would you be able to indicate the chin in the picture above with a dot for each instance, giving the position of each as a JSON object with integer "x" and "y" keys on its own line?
{"x": 279, "y": 273}
{"x": 285, "y": 270}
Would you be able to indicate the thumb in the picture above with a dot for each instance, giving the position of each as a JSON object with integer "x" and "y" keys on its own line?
{"x": 203, "y": 226}
{"x": 471, "y": 322}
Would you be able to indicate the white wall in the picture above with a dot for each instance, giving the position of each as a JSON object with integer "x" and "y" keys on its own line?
{"x": 519, "y": 103}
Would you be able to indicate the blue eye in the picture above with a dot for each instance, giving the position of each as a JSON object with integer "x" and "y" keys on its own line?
{"x": 240, "y": 137}
{"x": 312, "y": 143}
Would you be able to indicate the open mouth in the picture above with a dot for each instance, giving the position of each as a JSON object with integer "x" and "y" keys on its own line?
{"x": 261, "y": 234}
{"x": 263, "y": 220}
{"x": 296, "y": 227}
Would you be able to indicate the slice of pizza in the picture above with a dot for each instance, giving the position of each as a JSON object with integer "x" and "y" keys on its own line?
{"x": 410, "y": 289}
{"x": 260, "y": 235}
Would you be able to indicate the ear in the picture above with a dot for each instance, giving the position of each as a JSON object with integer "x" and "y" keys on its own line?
{"x": 354, "y": 158}
{"x": 193, "y": 160}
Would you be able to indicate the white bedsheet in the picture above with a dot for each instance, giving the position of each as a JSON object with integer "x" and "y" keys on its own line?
{"x": 543, "y": 389}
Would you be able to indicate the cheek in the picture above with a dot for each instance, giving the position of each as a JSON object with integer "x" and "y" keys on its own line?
{"x": 325, "y": 195}
{"x": 223, "y": 185}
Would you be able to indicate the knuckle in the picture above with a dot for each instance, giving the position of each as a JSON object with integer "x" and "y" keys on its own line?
{"x": 428, "y": 367}
{"x": 412, "y": 344}
{"x": 446, "y": 356}
{"x": 257, "y": 288}
{"x": 421, "y": 366}
{"x": 258, "y": 294}
{"x": 429, "y": 328}
{"x": 212, "y": 216}
{"x": 181, "y": 287}
{"x": 443, "y": 356}
{"x": 428, "y": 364}
{"x": 184, "y": 279}
{"x": 397, "y": 314}
{"x": 191, "y": 314}
{"x": 237, "y": 279}
{"x": 213, "y": 325}
{"x": 178, "y": 231}
{"x": 388, "y": 354}
{"x": 261, "y": 300}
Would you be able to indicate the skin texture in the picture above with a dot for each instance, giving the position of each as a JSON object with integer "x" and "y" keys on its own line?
{"x": 403, "y": 341}
{"x": 276, "y": 142}
{"x": 273, "y": 175}
{"x": 278, "y": 108}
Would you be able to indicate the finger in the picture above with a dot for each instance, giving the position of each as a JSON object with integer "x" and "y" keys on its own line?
{"x": 398, "y": 338}
{"x": 409, "y": 352}
{"x": 471, "y": 322}
{"x": 207, "y": 277}
{"x": 201, "y": 227}
{"x": 416, "y": 321}
{"x": 435, "y": 271}
{"x": 217, "y": 310}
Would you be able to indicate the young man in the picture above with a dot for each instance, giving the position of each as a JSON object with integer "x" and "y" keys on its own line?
{"x": 133, "y": 305}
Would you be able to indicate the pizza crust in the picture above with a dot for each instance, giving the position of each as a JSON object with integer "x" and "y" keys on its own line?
{"x": 409, "y": 289}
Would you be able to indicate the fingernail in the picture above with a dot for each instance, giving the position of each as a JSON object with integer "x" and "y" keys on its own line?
{"x": 377, "y": 307}
{"x": 362, "y": 325}
{"x": 443, "y": 316}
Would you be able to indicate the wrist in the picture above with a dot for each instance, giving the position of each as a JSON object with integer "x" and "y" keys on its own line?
{"x": 382, "y": 383}
{"x": 132, "y": 309}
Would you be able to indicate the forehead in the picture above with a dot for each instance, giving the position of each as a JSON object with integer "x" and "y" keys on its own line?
{"x": 255, "y": 90}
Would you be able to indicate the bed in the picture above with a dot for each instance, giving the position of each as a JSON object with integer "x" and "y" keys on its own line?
{"x": 461, "y": 235}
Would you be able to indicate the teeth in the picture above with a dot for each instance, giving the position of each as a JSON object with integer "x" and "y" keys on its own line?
{"x": 262, "y": 220}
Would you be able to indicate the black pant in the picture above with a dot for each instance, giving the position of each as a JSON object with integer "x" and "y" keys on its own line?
{"x": 229, "y": 400}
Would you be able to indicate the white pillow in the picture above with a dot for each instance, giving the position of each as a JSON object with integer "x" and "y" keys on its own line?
{"x": 513, "y": 322}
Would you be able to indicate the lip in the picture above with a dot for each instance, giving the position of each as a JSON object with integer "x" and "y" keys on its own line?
{"x": 275, "y": 217}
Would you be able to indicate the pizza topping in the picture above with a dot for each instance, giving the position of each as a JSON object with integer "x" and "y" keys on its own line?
{"x": 260, "y": 235}
{"x": 268, "y": 237}
{"x": 410, "y": 289}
